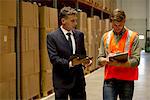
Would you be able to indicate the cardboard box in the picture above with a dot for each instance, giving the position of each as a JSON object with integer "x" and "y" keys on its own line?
{"x": 96, "y": 25}
{"x": 30, "y": 62}
{"x": 7, "y": 66}
{"x": 29, "y": 39}
{"x": 46, "y": 81}
{"x": 44, "y": 61}
{"x": 82, "y": 24}
{"x": 8, "y": 12}
{"x": 48, "y": 17}
{"x": 29, "y": 15}
{"x": 43, "y": 36}
{"x": 30, "y": 86}
{"x": 90, "y": 30}
{"x": 82, "y": 20}
{"x": 107, "y": 25}
{"x": 7, "y": 39}
{"x": 4, "y": 90}
{"x": 8, "y": 90}
{"x": 12, "y": 89}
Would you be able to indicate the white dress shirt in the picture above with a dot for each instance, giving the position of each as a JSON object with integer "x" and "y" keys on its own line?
{"x": 72, "y": 38}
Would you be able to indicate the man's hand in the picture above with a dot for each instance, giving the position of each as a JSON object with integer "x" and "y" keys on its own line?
{"x": 87, "y": 61}
{"x": 76, "y": 61}
{"x": 84, "y": 61}
{"x": 103, "y": 61}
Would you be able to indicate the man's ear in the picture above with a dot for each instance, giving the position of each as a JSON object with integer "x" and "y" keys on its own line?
{"x": 63, "y": 20}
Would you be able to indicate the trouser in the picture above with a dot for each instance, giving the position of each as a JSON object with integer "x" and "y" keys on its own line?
{"x": 76, "y": 93}
{"x": 122, "y": 88}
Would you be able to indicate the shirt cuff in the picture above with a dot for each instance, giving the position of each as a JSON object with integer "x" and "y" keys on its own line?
{"x": 70, "y": 64}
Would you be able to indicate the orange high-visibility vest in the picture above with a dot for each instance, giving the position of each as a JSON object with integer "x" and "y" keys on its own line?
{"x": 124, "y": 45}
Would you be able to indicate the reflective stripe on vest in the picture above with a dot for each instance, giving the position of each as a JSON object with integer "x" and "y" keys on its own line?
{"x": 108, "y": 38}
{"x": 128, "y": 41}
{"x": 123, "y": 73}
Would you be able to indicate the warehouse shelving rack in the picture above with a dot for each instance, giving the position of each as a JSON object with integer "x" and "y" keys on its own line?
{"x": 89, "y": 7}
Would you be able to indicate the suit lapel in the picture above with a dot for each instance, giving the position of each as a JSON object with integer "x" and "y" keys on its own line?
{"x": 75, "y": 34}
{"x": 64, "y": 39}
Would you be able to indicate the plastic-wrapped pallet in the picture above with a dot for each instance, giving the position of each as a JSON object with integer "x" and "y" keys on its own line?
{"x": 30, "y": 65}
{"x": 7, "y": 50}
{"x": 48, "y": 23}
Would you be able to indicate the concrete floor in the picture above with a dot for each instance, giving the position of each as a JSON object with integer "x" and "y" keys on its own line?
{"x": 94, "y": 82}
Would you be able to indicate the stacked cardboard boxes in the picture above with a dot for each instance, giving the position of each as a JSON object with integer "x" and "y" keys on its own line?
{"x": 107, "y": 25}
{"x": 101, "y": 30}
{"x": 48, "y": 23}
{"x": 82, "y": 26}
{"x": 97, "y": 32}
{"x": 93, "y": 27}
{"x": 30, "y": 65}
{"x": 91, "y": 41}
{"x": 109, "y": 5}
{"x": 7, "y": 50}
{"x": 106, "y": 5}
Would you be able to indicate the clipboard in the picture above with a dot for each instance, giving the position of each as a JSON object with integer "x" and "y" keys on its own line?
{"x": 120, "y": 57}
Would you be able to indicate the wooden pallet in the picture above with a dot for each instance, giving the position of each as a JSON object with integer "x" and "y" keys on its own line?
{"x": 37, "y": 97}
{"x": 46, "y": 93}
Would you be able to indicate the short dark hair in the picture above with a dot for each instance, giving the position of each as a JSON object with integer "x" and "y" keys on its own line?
{"x": 65, "y": 11}
{"x": 118, "y": 15}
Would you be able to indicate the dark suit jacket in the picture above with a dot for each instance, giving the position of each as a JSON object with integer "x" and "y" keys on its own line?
{"x": 59, "y": 52}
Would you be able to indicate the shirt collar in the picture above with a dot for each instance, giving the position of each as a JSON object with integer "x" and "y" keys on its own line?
{"x": 65, "y": 31}
{"x": 121, "y": 33}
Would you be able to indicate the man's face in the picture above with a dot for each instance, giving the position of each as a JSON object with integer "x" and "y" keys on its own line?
{"x": 70, "y": 22}
{"x": 118, "y": 26}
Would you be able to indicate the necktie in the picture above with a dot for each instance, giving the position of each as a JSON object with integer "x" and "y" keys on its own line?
{"x": 70, "y": 41}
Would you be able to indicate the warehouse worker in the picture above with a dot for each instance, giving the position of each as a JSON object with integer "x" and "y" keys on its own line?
{"x": 119, "y": 76}
{"x": 66, "y": 41}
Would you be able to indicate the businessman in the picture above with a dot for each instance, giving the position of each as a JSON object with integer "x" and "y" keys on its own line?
{"x": 66, "y": 41}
